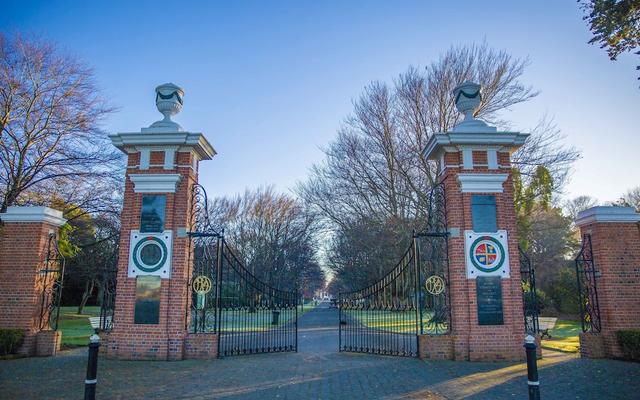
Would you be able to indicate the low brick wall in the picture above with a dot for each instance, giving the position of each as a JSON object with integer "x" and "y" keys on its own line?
{"x": 203, "y": 346}
{"x": 48, "y": 343}
{"x": 435, "y": 347}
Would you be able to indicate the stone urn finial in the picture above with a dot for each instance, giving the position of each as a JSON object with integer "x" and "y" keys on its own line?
{"x": 468, "y": 99}
{"x": 468, "y": 96}
{"x": 169, "y": 103}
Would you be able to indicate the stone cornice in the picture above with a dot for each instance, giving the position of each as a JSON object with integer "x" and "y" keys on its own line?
{"x": 607, "y": 214}
{"x": 194, "y": 140}
{"x": 508, "y": 140}
{"x": 33, "y": 214}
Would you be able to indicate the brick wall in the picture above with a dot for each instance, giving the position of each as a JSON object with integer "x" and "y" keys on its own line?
{"x": 164, "y": 341}
{"x": 22, "y": 249}
{"x": 202, "y": 346}
{"x": 472, "y": 341}
{"x": 616, "y": 254}
{"x": 436, "y": 347}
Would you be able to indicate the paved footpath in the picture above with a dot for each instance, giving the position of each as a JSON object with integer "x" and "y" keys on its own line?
{"x": 317, "y": 371}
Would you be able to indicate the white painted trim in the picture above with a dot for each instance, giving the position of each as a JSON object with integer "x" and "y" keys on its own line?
{"x": 467, "y": 158}
{"x": 607, "y": 214}
{"x": 169, "y": 156}
{"x": 155, "y": 183}
{"x": 33, "y": 214}
{"x": 492, "y": 158}
{"x": 145, "y": 158}
{"x": 482, "y": 183}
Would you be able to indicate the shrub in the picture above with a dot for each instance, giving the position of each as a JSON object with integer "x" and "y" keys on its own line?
{"x": 629, "y": 341}
{"x": 10, "y": 340}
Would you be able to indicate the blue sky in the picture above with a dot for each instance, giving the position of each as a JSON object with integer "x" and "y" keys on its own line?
{"x": 270, "y": 82}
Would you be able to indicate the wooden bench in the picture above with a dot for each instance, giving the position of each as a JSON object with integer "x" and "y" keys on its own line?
{"x": 545, "y": 324}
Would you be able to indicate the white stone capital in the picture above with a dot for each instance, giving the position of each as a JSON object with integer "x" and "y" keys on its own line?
{"x": 607, "y": 214}
{"x": 155, "y": 183}
{"x": 482, "y": 183}
{"x": 33, "y": 214}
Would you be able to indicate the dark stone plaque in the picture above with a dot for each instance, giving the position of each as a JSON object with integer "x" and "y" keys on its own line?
{"x": 489, "y": 296}
{"x": 483, "y": 213}
{"x": 147, "y": 309}
{"x": 152, "y": 213}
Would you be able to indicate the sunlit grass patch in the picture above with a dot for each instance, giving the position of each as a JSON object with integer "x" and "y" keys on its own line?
{"x": 564, "y": 337}
{"x": 75, "y": 328}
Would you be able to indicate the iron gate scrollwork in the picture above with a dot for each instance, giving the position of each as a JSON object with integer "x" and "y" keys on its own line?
{"x": 529, "y": 295}
{"x": 412, "y": 299}
{"x": 50, "y": 281}
{"x": 249, "y": 315}
{"x": 587, "y": 290}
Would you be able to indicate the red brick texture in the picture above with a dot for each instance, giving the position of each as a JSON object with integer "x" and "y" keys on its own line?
{"x": 22, "y": 250}
{"x": 435, "y": 347}
{"x": 48, "y": 343}
{"x": 616, "y": 254}
{"x": 164, "y": 341}
{"x": 202, "y": 346}
{"x": 472, "y": 341}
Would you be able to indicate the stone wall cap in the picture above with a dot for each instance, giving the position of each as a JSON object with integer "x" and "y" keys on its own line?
{"x": 33, "y": 214}
{"x": 607, "y": 214}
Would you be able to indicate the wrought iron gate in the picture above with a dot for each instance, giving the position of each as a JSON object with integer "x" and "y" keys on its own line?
{"x": 50, "y": 282}
{"x": 413, "y": 298}
{"x": 587, "y": 289}
{"x": 249, "y": 315}
{"x": 529, "y": 295}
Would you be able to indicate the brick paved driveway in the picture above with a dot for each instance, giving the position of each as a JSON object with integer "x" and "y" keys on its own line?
{"x": 317, "y": 371}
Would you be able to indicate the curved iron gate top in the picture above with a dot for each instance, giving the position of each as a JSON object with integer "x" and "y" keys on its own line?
{"x": 412, "y": 299}
{"x": 249, "y": 315}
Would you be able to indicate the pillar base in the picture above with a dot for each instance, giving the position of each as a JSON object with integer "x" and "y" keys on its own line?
{"x": 48, "y": 343}
{"x": 201, "y": 346}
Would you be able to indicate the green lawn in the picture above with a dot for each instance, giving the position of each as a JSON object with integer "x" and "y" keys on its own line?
{"x": 75, "y": 328}
{"x": 564, "y": 337}
{"x": 395, "y": 321}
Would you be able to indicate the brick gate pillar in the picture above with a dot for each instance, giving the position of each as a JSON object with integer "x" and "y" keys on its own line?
{"x": 615, "y": 245}
{"x": 24, "y": 240}
{"x": 152, "y": 296}
{"x": 487, "y": 319}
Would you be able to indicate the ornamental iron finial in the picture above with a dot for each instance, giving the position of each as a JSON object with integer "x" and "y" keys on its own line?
{"x": 169, "y": 102}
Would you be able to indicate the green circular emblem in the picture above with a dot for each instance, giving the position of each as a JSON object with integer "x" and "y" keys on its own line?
{"x": 150, "y": 254}
{"x": 487, "y": 254}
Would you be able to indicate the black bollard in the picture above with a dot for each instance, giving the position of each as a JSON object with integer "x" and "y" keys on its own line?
{"x": 532, "y": 367}
{"x": 92, "y": 368}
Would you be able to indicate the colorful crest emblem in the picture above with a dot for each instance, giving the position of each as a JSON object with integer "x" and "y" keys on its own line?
{"x": 487, "y": 254}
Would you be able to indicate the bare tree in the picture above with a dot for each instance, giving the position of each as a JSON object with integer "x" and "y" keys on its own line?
{"x": 574, "y": 206}
{"x": 631, "y": 198}
{"x": 50, "y": 111}
{"x": 274, "y": 234}
{"x": 375, "y": 173}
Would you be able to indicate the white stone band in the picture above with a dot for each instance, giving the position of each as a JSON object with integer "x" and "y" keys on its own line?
{"x": 33, "y": 214}
{"x": 482, "y": 183}
{"x": 155, "y": 183}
